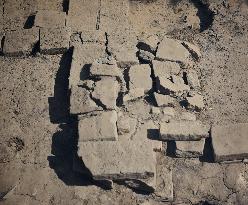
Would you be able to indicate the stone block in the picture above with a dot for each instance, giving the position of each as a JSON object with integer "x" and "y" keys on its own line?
{"x": 123, "y": 125}
{"x": 139, "y": 77}
{"x": 82, "y": 58}
{"x": 81, "y": 101}
{"x": 49, "y": 18}
{"x": 20, "y": 42}
{"x": 146, "y": 56}
{"x": 118, "y": 159}
{"x": 193, "y": 49}
{"x": 187, "y": 116}
{"x": 183, "y": 131}
{"x": 134, "y": 94}
{"x": 229, "y": 141}
{"x": 172, "y": 50}
{"x": 165, "y": 68}
{"x": 190, "y": 149}
{"x": 109, "y": 68}
{"x": 14, "y": 21}
{"x": 148, "y": 43}
{"x": 26, "y": 7}
{"x": 106, "y": 92}
{"x": 164, "y": 100}
{"x": 195, "y": 102}
{"x": 54, "y": 5}
{"x": 89, "y": 36}
{"x": 54, "y": 40}
{"x": 170, "y": 111}
{"x": 100, "y": 127}
{"x": 167, "y": 87}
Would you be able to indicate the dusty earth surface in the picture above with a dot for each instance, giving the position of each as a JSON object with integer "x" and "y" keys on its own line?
{"x": 38, "y": 136}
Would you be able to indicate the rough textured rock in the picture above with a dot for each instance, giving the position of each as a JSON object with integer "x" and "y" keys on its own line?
{"x": 148, "y": 43}
{"x": 189, "y": 149}
{"x": 134, "y": 94}
{"x": 97, "y": 36}
{"x": 106, "y": 91}
{"x": 195, "y": 102}
{"x": 139, "y": 77}
{"x": 50, "y": 18}
{"x": 188, "y": 116}
{"x": 20, "y": 42}
{"x": 81, "y": 102}
{"x": 183, "y": 131}
{"x": 123, "y": 125}
{"x": 193, "y": 49}
{"x": 230, "y": 141}
{"x": 118, "y": 159}
{"x": 100, "y": 127}
{"x": 54, "y": 5}
{"x": 192, "y": 78}
{"x": 105, "y": 69}
{"x": 172, "y": 50}
{"x": 169, "y": 111}
{"x": 165, "y": 68}
{"x": 54, "y": 40}
{"x": 146, "y": 56}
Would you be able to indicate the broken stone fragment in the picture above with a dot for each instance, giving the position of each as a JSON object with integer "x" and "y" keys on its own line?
{"x": 54, "y": 40}
{"x": 164, "y": 100}
{"x": 229, "y": 141}
{"x": 172, "y": 50}
{"x": 177, "y": 79}
{"x": 106, "y": 92}
{"x": 123, "y": 125}
{"x": 169, "y": 111}
{"x": 149, "y": 43}
{"x": 192, "y": 78}
{"x": 183, "y": 131}
{"x": 146, "y": 56}
{"x": 167, "y": 87}
{"x": 105, "y": 68}
{"x": 193, "y": 49}
{"x": 188, "y": 116}
{"x": 134, "y": 94}
{"x": 195, "y": 102}
{"x": 20, "y": 42}
{"x": 190, "y": 149}
{"x": 155, "y": 110}
{"x": 81, "y": 102}
{"x": 50, "y": 19}
{"x": 118, "y": 159}
{"x": 165, "y": 68}
{"x": 100, "y": 127}
{"x": 139, "y": 77}
{"x": 93, "y": 36}
{"x": 88, "y": 84}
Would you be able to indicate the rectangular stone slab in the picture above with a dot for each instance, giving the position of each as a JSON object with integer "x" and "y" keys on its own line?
{"x": 118, "y": 159}
{"x": 230, "y": 142}
{"x": 182, "y": 131}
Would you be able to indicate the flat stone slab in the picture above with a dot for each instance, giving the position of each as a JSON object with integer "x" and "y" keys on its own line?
{"x": 190, "y": 149}
{"x": 81, "y": 101}
{"x": 50, "y": 19}
{"x": 106, "y": 91}
{"x": 148, "y": 43}
{"x": 172, "y": 50}
{"x": 165, "y": 68}
{"x": 195, "y": 102}
{"x": 230, "y": 141}
{"x": 118, "y": 159}
{"x": 105, "y": 69}
{"x": 100, "y": 127}
{"x": 183, "y": 131}
{"x": 20, "y": 42}
{"x": 54, "y": 40}
{"x": 164, "y": 100}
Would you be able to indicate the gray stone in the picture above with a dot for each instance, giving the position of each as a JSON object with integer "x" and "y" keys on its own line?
{"x": 146, "y": 55}
{"x": 49, "y": 18}
{"x": 54, "y": 40}
{"x": 106, "y": 91}
{"x": 230, "y": 141}
{"x": 123, "y": 125}
{"x": 118, "y": 159}
{"x": 195, "y": 102}
{"x": 139, "y": 77}
{"x": 20, "y": 42}
{"x": 172, "y": 50}
{"x": 134, "y": 94}
{"x": 100, "y": 127}
{"x": 155, "y": 110}
{"x": 149, "y": 43}
{"x": 187, "y": 116}
{"x": 54, "y": 5}
{"x": 193, "y": 49}
{"x": 166, "y": 86}
{"x": 104, "y": 69}
{"x": 165, "y": 68}
{"x": 82, "y": 57}
{"x": 192, "y": 78}
{"x": 93, "y": 37}
{"x": 81, "y": 102}
{"x": 164, "y": 100}
{"x": 190, "y": 149}
{"x": 169, "y": 111}
{"x": 183, "y": 131}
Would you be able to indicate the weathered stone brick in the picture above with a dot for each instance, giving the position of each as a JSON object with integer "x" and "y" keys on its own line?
{"x": 164, "y": 100}
{"x": 54, "y": 5}
{"x": 54, "y": 40}
{"x": 148, "y": 43}
{"x": 196, "y": 102}
{"x": 20, "y": 42}
{"x": 49, "y": 18}
{"x": 100, "y": 127}
{"x": 165, "y": 68}
{"x": 183, "y": 131}
{"x": 229, "y": 141}
{"x": 188, "y": 116}
{"x": 118, "y": 159}
{"x": 192, "y": 78}
{"x": 105, "y": 69}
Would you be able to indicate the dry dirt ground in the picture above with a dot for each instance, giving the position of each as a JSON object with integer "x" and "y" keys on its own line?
{"x": 36, "y": 151}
